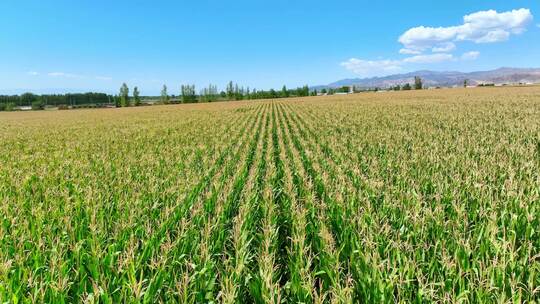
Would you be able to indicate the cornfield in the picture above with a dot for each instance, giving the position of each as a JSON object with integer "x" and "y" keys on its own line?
{"x": 426, "y": 196}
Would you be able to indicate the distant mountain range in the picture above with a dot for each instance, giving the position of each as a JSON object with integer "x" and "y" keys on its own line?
{"x": 444, "y": 79}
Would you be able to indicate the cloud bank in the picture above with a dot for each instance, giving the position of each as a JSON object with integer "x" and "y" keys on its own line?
{"x": 370, "y": 68}
{"x": 431, "y": 45}
{"x": 480, "y": 27}
{"x": 470, "y": 55}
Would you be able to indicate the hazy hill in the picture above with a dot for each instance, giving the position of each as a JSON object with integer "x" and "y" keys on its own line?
{"x": 450, "y": 78}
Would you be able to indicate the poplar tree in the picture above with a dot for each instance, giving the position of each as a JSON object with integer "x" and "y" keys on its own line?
{"x": 164, "y": 97}
{"x": 136, "y": 98}
{"x": 230, "y": 90}
{"x": 209, "y": 94}
{"x": 188, "y": 94}
{"x": 124, "y": 95}
{"x": 417, "y": 83}
{"x": 284, "y": 92}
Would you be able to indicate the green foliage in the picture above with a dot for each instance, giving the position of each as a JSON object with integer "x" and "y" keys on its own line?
{"x": 37, "y": 105}
{"x": 116, "y": 100}
{"x": 303, "y": 91}
{"x": 230, "y": 91}
{"x": 57, "y": 99}
{"x": 28, "y": 99}
{"x": 417, "y": 83}
{"x": 284, "y": 92}
{"x": 188, "y": 94}
{"x": 136, "y": 97}
{"x": 344, "y": 89}
{"x": 10, "y": 106}
{"x": 124, "y": 95}
{"x": 421, "y": 197}
{"x": 406, "y": 87}
{"x": 164, "y": 96}
{"x": 209, "y": 94}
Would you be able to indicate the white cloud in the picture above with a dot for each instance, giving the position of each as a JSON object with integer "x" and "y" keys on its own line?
{"x": 62, "y": 74}
{"x": 494, "y": 36}
{"x": 444, "y": 48}
{"x": 470, "y": 55}
{"x": 409, "y": 52}
{"x": 480, "y": 27}
{"x": 33, "y": 73}
{"x": 372, "y": 67}
{"x": 432, "y": 58}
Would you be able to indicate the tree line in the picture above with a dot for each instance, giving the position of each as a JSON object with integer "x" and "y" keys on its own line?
{"x": 418, "y": 85}
{"x": 189, "y": 94}
{"x": 127, "y": 97}
{"x": 9, "y": 102}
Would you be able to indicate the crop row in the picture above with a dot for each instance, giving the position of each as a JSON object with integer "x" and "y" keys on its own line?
{"x": 289, "y": 201}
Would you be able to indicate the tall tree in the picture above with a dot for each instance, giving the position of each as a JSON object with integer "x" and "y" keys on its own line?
{"x": 136, "y": 97}
{"x": 230, "y": 90}
{"x": 28, "y": 98}
{"x": 237, "y": 92}
{"x": 124, "y": 95}
{"x": 164, "y": 96}
{"x": 417, "y": 83}
{"x": 209, "y": 94}
{"x": 188, "y": 94}
{"x": 284, "y": 92}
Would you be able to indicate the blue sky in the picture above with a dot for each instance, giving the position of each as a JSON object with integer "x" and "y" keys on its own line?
{"x": 96, "y": 45}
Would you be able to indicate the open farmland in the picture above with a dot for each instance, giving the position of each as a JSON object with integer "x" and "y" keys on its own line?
{"x": 429, "y": 196}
